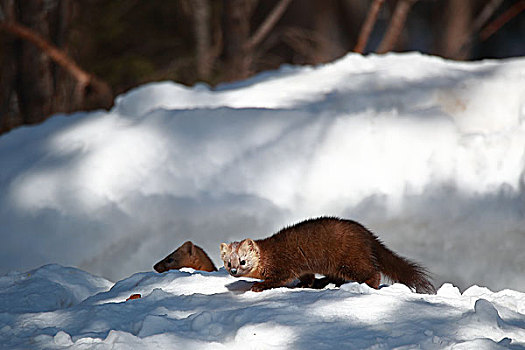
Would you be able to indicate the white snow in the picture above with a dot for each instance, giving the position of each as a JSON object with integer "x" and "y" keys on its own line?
{"x": 212, "y": 310}
{"x": 427, "y": 153}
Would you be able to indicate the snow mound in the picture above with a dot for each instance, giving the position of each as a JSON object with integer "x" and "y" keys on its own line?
{"x": 191, "y": 309}
{"x": 48, "y": 288}
{"x": 429, "y": 154}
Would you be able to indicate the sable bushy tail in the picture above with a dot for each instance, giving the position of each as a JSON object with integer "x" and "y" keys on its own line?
{"x": 403, "y": 270}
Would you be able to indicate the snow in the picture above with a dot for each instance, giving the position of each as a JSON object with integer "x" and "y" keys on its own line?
{"x": 212, "y": 310}
{"x": 429, "y": 154}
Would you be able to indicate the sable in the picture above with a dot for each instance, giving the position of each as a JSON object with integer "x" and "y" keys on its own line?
{"x": 343, "y": 250}
{"x": 187, "y": 255}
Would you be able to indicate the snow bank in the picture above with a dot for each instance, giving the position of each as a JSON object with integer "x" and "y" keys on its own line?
{"x": 48, "y": 288}
{"x": 186, "y": 309}
{"x": 429, "y": 154}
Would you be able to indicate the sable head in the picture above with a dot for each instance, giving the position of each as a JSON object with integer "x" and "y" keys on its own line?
{"x": 181, "y": 257}
{"x": 240, "y": 258}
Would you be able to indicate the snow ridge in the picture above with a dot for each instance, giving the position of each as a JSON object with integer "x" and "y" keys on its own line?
{"x": 427, "y": 153}
{"x": 212, "y": 310}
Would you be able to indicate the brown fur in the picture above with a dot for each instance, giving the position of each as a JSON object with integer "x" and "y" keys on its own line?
{"x": 134, "y": 296}
{"x": 187, "y": 255}
{"x": 342, "y": 250}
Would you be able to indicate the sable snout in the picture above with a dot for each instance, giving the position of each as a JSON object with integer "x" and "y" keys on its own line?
{"x": 187, "y": 255}
{"x": 160, "y": 267}
{"x": 165, "y": 264}
{"x": 233, "y": 272}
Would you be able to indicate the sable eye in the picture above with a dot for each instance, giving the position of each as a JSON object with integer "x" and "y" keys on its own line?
{"x": 229, "y": 264}
{"x": 243, "y": 262}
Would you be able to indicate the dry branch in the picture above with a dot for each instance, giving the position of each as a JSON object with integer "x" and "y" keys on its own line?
{"x": 479, "y": 22}
{"x": 396, "y": 25}
{"x": 501, "y": 20}
{"x": 267, "y": 25}
{"x": 86, "y": 82}
{"x": 302, "y": 41}
{"x": 368, "y": 26}
{"x": 485, "y": 14}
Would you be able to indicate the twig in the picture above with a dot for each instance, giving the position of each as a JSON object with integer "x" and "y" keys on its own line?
{"x": 267, "y": 25}
{"x": 301, "y": 40}
{"x": 52, "y": 51}
{"x": 501, "y": 20}
{"x": 485, "y": 15}
{"x": 479, "y": 22}
{"x": 368, "y": 26}
{"x": 397, "y": 22}
{"x": 85, "y": 80}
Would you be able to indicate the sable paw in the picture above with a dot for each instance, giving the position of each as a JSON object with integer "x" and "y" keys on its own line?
{"x": 258, "y": 287}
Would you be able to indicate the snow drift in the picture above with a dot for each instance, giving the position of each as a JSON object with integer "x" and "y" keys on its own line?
{"x": 212, "y": 310}
{"x": 428, "y": 154}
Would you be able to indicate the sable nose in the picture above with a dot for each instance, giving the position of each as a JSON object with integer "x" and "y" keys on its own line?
{"x": 233, "y": 271}
{"x": 158, "y": 267}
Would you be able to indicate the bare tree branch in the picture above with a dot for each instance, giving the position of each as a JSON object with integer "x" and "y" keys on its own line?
{"x": 52, "y": 51}
{"x": 236, "y": 32}
{"x": 485, "y": 15}
{"x": 302, "y": 41}
{"x": 455, "y": 27}
{"x": 479, "y": 22}
{"x": 85, "y": 80}
{"x": 368, "y": 26}
{"x": 201, "y": 19}
{"x": 501, "y": 20}
{"x": 267, "y": 25}
{"x": 396, "y": 25}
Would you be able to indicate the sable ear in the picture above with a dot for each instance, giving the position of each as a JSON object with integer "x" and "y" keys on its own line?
{"x": 224, "y": 250}
{"x": 248, "y": 243}
{"x": 188, "y": 246}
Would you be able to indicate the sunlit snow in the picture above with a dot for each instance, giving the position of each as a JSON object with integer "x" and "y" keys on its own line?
{"x": 427, "y": 153}
{"x": 211, "y": 310}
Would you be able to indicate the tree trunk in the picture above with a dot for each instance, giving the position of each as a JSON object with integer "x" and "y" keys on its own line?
{"x": 368, "y": 26}
{"x": 477, "y": 23}
{"x": 396, "y": 26}
{"x": 328, "y": 30}
{"x": 34, "y": 78}
{"x": 201, "y": 22}
{"x": 458, "y": 21}
{"x": 236, "y": 26}
{"x": 63, "y": 83}
{"x": 39, "y": 78}
{"x": 9, "y": 112}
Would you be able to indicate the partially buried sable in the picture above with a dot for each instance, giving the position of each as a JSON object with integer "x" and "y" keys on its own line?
{"x": 187, "y": 255}
{"x": 343, "y": 250}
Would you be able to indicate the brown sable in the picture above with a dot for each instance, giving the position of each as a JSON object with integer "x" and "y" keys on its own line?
{"x": 342, "y": 250}
{"x": 187, "y": 255}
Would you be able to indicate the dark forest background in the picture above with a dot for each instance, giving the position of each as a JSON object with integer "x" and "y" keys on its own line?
{"x": 63, "y": 56}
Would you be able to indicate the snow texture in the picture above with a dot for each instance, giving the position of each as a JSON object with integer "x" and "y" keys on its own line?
{"x": 211, "y": 310}
{"x": 428, "y": 154}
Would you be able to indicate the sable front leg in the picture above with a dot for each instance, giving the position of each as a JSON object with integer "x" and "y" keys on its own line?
{"x": 306, "y": 281}
{"x": 267, "y": 284}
